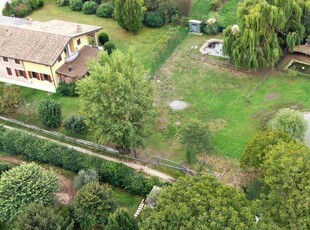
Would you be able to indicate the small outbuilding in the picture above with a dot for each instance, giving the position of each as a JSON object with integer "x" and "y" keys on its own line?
{"x": 195, "y": 26}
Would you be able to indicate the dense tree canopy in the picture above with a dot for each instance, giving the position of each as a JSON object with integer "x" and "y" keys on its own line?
{"x": 37, "y": 216}
{"x": 265, "y": 26}
{"x": 23, "y": 185}
{"x": 93, "y": 205}
{"x": 286, "y": 173}
{"x": 255, "y": 151}
{"x": 200, "y": 202}
{"x": 121, "y": 219}
{"x": 117, "y": 100}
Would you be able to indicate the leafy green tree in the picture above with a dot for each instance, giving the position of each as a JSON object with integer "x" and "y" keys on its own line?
{"x": 264, "y": 27}
{"x": 121, "y": 219}
{"x": 84, "y": 177}
{"x": 38, "y": 216}
{"x": 49, "y": 112}
{"x": 10, "y": 98}
{"x": 129, "y": 14}
{"x": 117, "y": 100}
{"x": 196, "y": 139}
{"x": 23, "y": 185}
{"x": 290, "y": 121}
{"x": 93, "y": 205}
{"x": 286, "y": 173}
{"x": 255, "y": 151}
{"x": 200, "y": 202}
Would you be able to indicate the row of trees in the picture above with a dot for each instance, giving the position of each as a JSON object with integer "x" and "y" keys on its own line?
{"x": 265, "y": 28}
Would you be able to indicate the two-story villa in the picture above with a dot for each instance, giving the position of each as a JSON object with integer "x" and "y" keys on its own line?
{"x": 41, "y": 54}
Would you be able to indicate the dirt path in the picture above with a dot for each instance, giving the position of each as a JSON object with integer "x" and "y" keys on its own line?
{"x": 139, "y": 167}
{"x": 67, "y": 191}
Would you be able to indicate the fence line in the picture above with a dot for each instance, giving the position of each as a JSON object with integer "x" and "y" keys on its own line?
{"x": 145, "y": 158}
{"x": 256, "y": 87}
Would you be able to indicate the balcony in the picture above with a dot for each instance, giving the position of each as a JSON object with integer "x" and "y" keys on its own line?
{"x": 72, "y": 57}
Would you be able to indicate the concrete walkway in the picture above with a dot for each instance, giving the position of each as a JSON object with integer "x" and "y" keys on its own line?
{"x": 139, "y": 167}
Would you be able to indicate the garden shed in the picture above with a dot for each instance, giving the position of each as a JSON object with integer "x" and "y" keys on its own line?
{"x": 195, "y": 26}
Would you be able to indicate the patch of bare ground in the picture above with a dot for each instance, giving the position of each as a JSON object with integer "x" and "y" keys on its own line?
{"x": 271, "y": 96}
{"x": 227, "y": 167}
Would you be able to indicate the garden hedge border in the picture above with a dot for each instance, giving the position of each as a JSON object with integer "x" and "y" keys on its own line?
{"x": 31, "y": 148}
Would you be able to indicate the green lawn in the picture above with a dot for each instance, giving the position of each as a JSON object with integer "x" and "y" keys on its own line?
{"x": 227, "y": 12}
{"x": 216, "y": 97}
{"x": 143, "y": 42}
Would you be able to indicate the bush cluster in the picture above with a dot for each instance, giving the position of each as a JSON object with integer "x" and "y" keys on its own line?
{"x": 76, "y": 5}
{"x": 89, "y": 7}
{"x": 76, "y": 124}
{"x": 5, "y": 166}
{"x": 109, "y": 47}
{"x": 215, "y": 4}
{"x": 34, "y": 149}
{"x": 67, "y": 89}
{"x": 154, "y": 19}
{"x": 105, "y": 10}
{"x": 21, "y": 8}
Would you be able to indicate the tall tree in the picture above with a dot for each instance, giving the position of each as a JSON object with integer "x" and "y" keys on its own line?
{"x": 117, "y": 100}
{"x": 264, "y": 27}
{"x": 286, "y": 173}
{"x": 129, "y": 14}
{"x": 200, "y": 202}
{"x": 93, "y": 204}
{"x": 121, "y": 219}
{"x": 23, "y": 185}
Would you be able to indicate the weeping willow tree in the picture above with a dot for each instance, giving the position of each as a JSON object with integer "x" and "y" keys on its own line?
{"x": 265, "y": 28}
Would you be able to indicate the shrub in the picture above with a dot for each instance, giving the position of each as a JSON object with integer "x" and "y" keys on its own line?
{"x": 7, "y": 9}
{"x": 67, "y": 89}
{"x": 23, "y": 185}
{"x": 35, "y": 149}
{"x": 5, "y": 166}
{"x": 84, "y": 177}
{"x": 76, "y": 5}
{"x": 109, "y": 47}
{"x": 121, "y": 219}
{"x": 49, "y": 112}
{"x": 290, "y": 121}
{"x": 76, "y": 124}
{"x": 62, "y": 2}
{"x": 196, "y": 139}
{"x": 151, "y": 5}
{"x": 10, "y": 98}
{"x": 35, "y": 4}
{"x": 105, "y": 10}
{"x": 154, "y": 20}
{"x": 89, "y": 7}
{"x": 103, "y": 38}
{"x": 215, "y": 4}
{"x": 21, "y": 10}
{"x": 93, "y": 205}
{"x": 38, "y": 216}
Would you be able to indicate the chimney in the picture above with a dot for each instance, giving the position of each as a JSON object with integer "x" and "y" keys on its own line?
{"x": 79, "y": 28}
{"x": 29, "y": 20}
{"x": 70, "y": 69}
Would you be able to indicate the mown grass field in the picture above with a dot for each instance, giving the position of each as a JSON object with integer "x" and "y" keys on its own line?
{"x": 216, "y": 97}
{"x": 227, "y": 12}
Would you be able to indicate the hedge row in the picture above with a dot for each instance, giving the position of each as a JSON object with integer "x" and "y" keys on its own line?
{"x": 35, "y": 149}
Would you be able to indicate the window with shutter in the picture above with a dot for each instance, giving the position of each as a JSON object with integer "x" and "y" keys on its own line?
{"x": 16, "y": 72}
{"x": 9, "y": 71}
{"x": 29, "y": 74}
